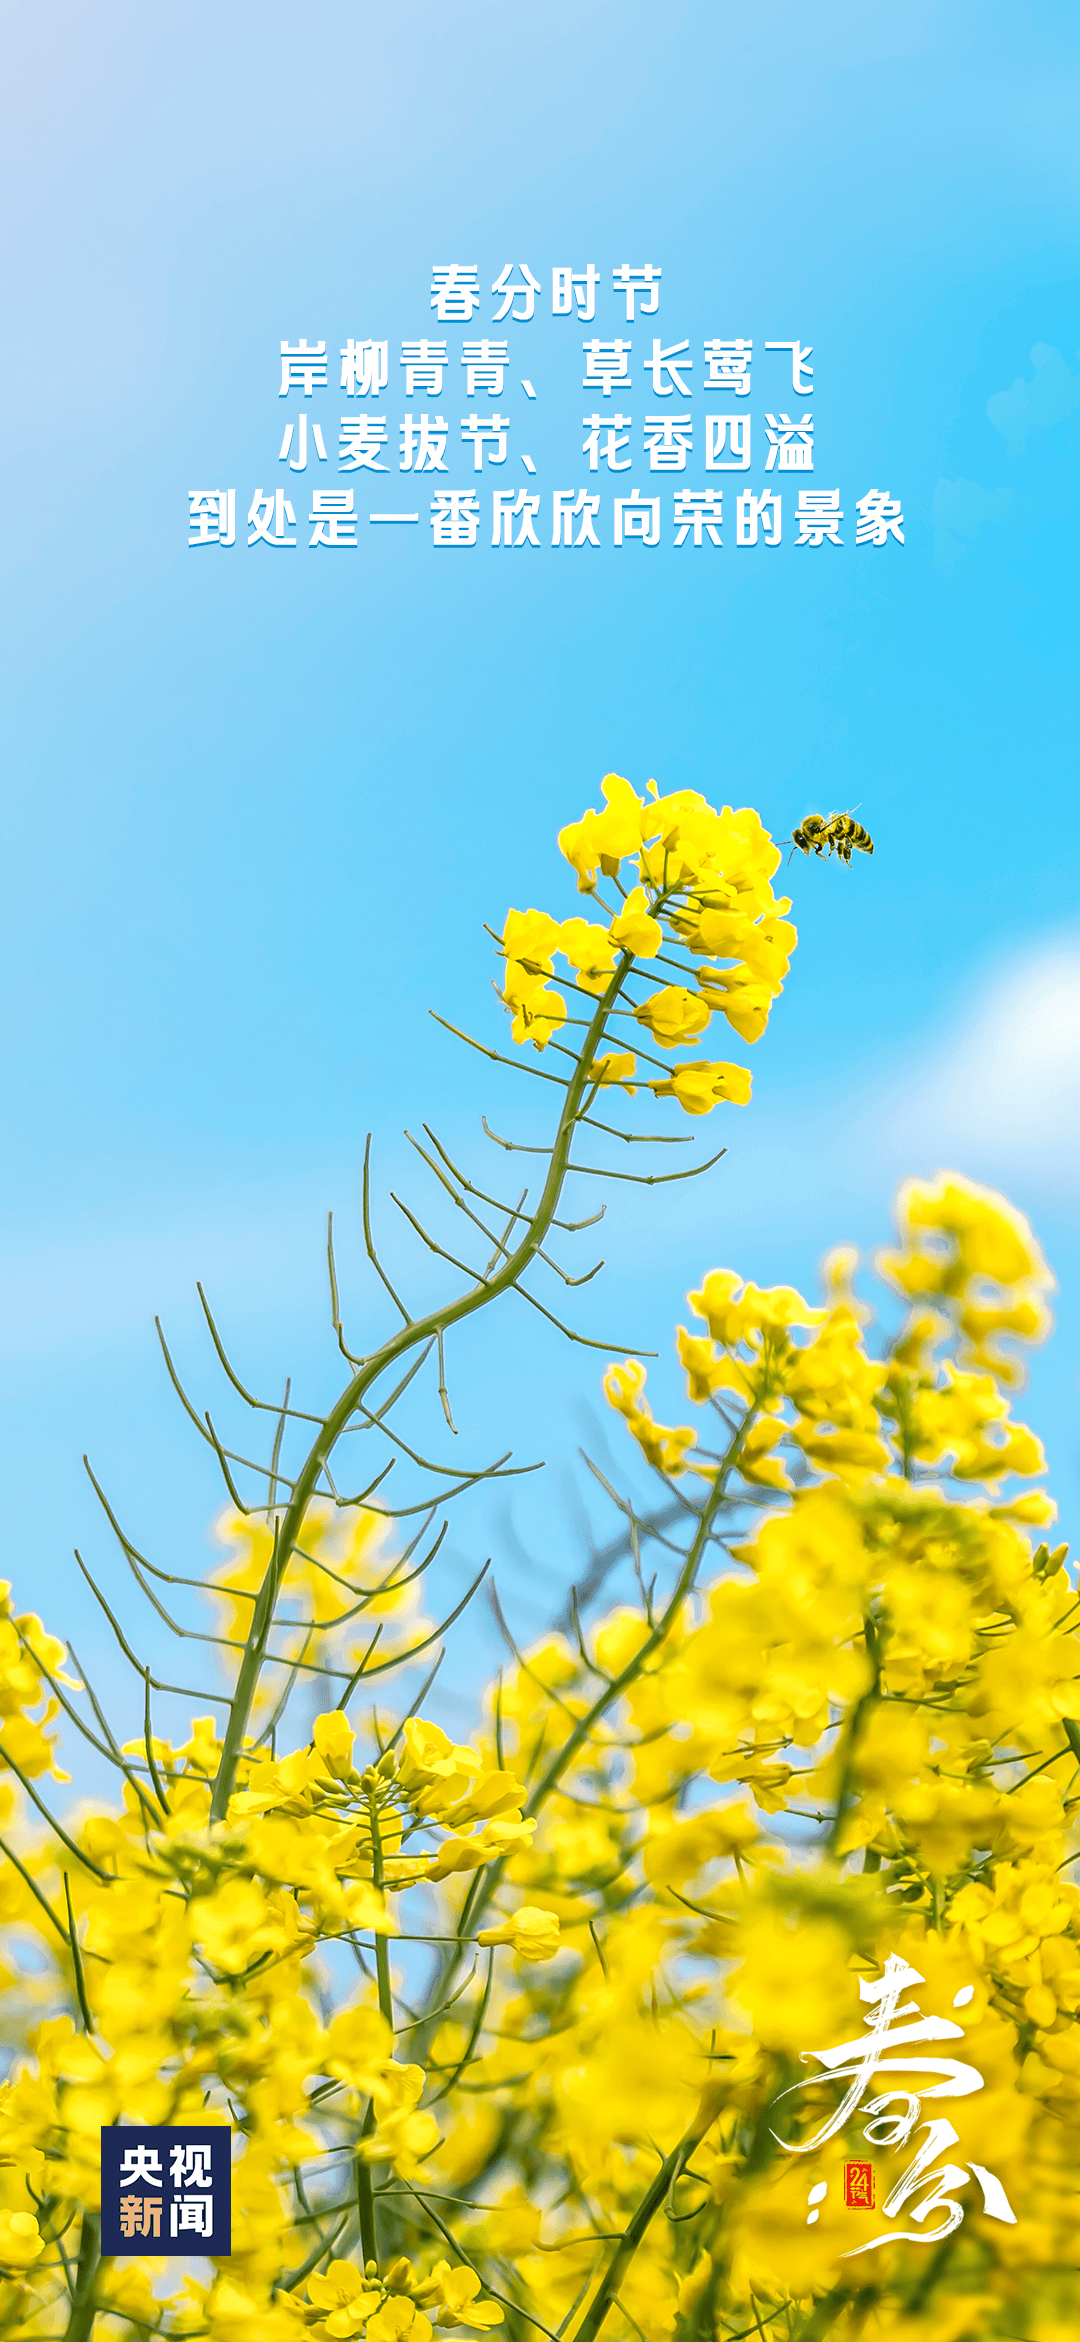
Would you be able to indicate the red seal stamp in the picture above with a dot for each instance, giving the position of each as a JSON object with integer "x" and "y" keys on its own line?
{"x": 859, "y": 2187}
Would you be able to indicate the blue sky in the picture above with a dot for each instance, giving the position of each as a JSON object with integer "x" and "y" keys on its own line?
{"x": 258, "y": 805}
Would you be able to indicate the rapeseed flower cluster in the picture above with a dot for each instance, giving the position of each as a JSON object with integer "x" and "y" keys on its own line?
{"x": 519, "y": 2030}
{"x": 689, "y": 893}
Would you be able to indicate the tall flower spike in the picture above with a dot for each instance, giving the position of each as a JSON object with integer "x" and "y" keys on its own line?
{"x": 699, "y": 883}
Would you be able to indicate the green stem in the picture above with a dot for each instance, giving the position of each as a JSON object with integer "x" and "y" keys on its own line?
{"x": 658, "y": 1635}
{"x": 365, "y": 2198}
{"x": 382, "y": 1948}
{"x": 365, "y": 2192}
{"x": 823, "y": 2315}
{"x": 485, "y": 1883}
{"x": 80, "y": 2325}
{"x": 933, "y": 2268}
{"x": 650, "y": 2204}
{"x": 855, "y": 1720}
{"x": 409, "y": 1337}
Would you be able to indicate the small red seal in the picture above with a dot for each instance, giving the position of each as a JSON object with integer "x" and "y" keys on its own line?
{"x": 859, "y": 2187}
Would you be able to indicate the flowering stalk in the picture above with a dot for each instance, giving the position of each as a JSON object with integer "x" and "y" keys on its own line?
{"x": 486, "y": 1882}
{"x": 821, "y": 1736}
{"x": 414, "y": 1335}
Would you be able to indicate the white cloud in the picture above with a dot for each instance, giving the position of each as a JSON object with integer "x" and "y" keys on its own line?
{"x": 1001, "y": 1086}
{"x": 991, "y": 1090}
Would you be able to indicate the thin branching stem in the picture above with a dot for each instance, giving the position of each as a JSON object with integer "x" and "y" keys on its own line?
{"x": 410, "y": 1336}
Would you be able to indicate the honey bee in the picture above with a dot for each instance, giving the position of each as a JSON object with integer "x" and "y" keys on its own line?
{"x": 811, "y": 836}
{"x": 839, "y": 833}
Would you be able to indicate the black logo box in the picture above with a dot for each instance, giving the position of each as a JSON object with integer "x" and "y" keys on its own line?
{"x": 166, "y": 2190}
